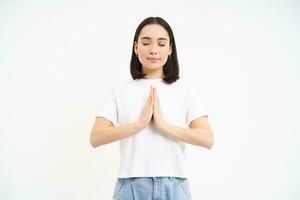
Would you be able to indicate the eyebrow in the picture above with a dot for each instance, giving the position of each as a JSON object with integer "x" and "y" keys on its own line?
{"x": 148, "y": 38}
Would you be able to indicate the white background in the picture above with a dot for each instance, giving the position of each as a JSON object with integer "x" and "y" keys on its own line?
{"x": 57, "y": 56}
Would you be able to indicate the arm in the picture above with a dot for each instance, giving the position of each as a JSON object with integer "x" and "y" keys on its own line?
{"x": 199, "y": 133}
{"x": 105, "y": 132}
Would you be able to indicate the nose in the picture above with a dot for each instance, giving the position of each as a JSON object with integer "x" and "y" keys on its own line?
{"x": 153, "y": 49}
{"x": 153, "y": 53}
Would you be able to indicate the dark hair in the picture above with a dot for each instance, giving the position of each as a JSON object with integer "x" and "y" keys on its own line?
{"x": 171, "y": 67}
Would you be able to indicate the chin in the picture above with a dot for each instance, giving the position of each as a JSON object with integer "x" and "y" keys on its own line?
{"x": 155, "y": 67}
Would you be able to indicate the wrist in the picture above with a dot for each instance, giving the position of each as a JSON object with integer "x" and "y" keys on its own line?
{"x": 140, "y": 125}
{"x": 162, "y": 126}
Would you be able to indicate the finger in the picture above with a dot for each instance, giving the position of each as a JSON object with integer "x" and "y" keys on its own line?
{"x": 150, "y": 94}
{"x": 151, "y": 90}
{"x": 154, "y": 98}
{"x": 150, "y": 98}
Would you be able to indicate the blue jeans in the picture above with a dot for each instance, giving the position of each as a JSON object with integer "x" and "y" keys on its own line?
{"x": 152, "y": 188}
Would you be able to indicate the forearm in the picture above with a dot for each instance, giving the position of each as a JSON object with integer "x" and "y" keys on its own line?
{"x": 195, "y": 136}
{"x": 107, "y": 135}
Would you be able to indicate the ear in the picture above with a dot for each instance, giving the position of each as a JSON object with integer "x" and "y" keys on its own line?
{"x": 170, "y": 49}
{"x": 135, "y": 47}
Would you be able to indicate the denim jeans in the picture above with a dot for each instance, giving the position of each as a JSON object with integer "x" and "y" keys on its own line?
{"x": 152, "y": 188}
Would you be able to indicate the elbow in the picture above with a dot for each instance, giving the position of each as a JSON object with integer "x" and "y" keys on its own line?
{"x": 210, "y": 145}
{"x": 92, "y": 143}
{"x": 96, "y": 140}
{"x": 210, "y": 142}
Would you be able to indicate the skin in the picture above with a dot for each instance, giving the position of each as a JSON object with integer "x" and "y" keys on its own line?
{"x": 153, "y": 42}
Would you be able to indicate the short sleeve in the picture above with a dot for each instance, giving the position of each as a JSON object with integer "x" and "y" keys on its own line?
{"x": 107, "y": 106}
{"x": 196, "y": 105}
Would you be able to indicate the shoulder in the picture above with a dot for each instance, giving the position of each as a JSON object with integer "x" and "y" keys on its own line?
{"x": 195, "y": 85}
{"x": 181, "y": 83}
{"x": 120, "y": 85}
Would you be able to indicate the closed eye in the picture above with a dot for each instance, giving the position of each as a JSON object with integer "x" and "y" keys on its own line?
{"x": 145, "y": 44}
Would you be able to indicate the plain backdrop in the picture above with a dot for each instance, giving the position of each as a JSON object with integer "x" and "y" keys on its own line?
{"x": 57, "y": 57}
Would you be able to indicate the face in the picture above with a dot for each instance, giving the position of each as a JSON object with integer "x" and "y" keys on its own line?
{"x": 153, "y": 47}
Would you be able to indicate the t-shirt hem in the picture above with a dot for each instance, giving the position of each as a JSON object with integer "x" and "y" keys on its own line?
{"x": 153, "y": 175}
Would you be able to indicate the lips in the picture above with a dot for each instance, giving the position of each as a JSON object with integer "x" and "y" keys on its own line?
{"x": 153, "y": 58}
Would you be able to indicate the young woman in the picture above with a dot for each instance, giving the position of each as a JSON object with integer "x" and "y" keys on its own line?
{"x": 153, "y": 115}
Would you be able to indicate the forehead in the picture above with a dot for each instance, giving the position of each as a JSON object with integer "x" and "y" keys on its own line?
{"x": 153, "y": 31}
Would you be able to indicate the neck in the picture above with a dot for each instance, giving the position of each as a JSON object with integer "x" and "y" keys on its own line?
{"x": 153, "y": 74}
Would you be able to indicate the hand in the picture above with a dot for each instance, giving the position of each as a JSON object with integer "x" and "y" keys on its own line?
{"x": 157, "y": 114}
{"x": 147, "y": 113}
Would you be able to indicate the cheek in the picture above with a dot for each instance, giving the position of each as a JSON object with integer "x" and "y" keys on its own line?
{"x": 165, "y": 54}
{"x": 165, "y": 57}
{"x": 143, "y": 50}
{"x": 165, "y": 51}
{"x": 164, "y": 60}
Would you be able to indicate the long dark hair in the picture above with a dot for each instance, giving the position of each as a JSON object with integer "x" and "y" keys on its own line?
{"x": 171, "y": 67}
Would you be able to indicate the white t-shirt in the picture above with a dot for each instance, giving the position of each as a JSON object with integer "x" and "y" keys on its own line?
{"x": 149, "y": 153}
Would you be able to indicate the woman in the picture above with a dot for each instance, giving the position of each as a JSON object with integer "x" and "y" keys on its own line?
{"x": 153, "y": 115}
